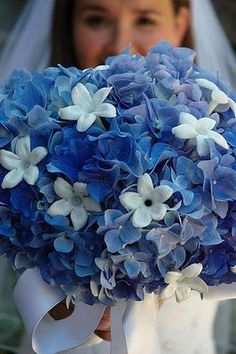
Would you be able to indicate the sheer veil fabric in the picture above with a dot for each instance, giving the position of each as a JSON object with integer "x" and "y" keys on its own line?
{"x": 29, "y": 47}
{"x": 211, "y": 43}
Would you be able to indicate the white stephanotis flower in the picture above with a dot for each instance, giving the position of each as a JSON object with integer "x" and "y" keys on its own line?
{"x": 97, "y": 68}
{"x": 148, "y": 203}
{"x": 182, "y": 283}
{"x": 22, "y": 164}
{"x": 218, "y": 97}
{"x": 233, "y": 269}
{"x": 74, "y": 202}
{"x": 198, "y": 130}
{"x": 87, "y": 107}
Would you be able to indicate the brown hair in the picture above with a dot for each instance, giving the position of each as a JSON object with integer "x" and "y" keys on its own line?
{"x": 62, "y": 32}
{"x": 180, "y": 3}
{"x": 187, "y": 40}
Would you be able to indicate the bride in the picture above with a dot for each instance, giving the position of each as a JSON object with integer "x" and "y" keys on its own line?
{"x": 84, "y": 33}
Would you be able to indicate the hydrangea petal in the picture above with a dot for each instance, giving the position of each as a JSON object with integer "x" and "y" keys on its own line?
{"x": 61, "y": 244}
{"x": 132, "y": 268}
{"x": 113, "y": 241}
{"x": 12, "y": 178}
{"x": 129, "y": 234}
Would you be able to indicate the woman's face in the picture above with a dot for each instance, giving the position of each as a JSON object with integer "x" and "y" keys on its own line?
{"x": 107, "y": 27}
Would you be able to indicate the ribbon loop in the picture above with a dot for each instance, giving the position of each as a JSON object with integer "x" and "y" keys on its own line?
{"x": 50, "y": 336}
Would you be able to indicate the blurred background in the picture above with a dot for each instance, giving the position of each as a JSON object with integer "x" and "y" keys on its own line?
{"x": 11, "y": 328}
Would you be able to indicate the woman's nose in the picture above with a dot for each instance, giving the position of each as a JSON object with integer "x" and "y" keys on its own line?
{"x": 120, "y": 39}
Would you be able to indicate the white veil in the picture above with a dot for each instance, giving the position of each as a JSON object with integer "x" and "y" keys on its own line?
{"x": 211, "y": 43}
{"x": 28, "y": 45}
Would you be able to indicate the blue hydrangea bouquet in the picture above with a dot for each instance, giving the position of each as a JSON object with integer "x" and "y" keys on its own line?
{"x": 120, "y": 180}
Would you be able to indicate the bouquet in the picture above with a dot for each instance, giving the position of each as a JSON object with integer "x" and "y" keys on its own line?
{"x": 120, "y": 180}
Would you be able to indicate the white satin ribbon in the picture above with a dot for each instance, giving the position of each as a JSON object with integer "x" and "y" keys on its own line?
{"x": 133, "y": 324}
{"x": 34, "y": 298}
{"x": 221, "y": 292}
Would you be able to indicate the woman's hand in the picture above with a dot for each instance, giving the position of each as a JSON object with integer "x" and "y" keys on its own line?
{"x": 60, "y": 311}
{"x": 103, "y": 329}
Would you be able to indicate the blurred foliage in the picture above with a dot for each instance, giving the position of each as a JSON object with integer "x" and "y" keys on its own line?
{"x": 11, "y": 327}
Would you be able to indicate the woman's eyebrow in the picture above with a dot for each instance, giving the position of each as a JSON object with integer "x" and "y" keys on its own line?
{"x": 147, "y": 12}
{"x": 89, "y": 7}
{"x": 99, "y": 8}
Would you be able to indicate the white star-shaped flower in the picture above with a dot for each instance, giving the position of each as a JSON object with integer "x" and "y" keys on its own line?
{"x": 87, "y": 107}
{"x": 74, "y": 202}
{"x": 233, "y": 269}
{"x": 218, "y": 97}
{"x": 182, "y": 283}
{"x": 22, "y": 164}
{"x": 198, "y": 130}
{"x": 148, "y": 203}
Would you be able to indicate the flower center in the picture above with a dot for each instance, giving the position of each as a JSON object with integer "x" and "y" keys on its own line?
{"x": 76, "y": 200}
{"x": 26, "y": 165}
{"x": 148, "y": 202}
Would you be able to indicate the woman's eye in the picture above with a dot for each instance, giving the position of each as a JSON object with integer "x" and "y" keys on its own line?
{"x": 96, "y": 21}
{"x": 146, "y": 21}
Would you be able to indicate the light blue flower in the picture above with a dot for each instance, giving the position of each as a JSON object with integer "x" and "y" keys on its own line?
{"x": 120, "y": 231}
{"x": 199, "y": 131}
{"x": 22, "y": 164}
{"x": 164, "y": 239}
{"x": 148, "y": 203}
{"x": 87, "y": 107}
{"x": 75, "y": 202}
